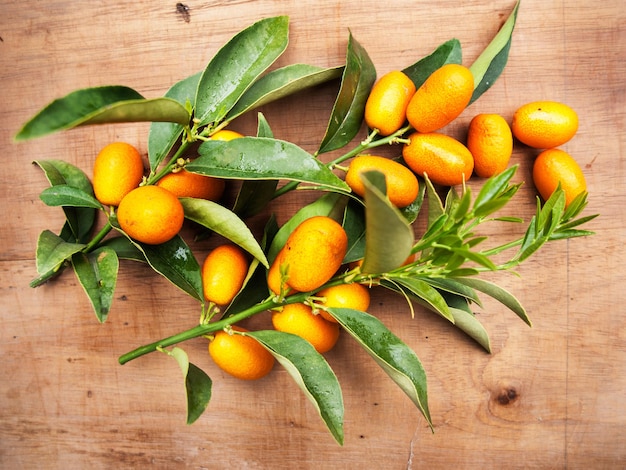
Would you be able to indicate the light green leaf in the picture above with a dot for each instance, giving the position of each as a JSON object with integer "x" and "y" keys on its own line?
{"x": 53, "y": 251}
{"x": 311, "y": 372}
{"x": 67, "y": 196}
{"x": 198, "y": 385}
{"x": 224, "y": 222}
{"x": 237, "y": 65}
{"x": 346, "y": 117}
{"x": 425, "y": 293}
{"x": 398, "y": 360}
{"x": 491, "y": 62}
{"x": 97, "y": 274}
{"x": 388, "y": 236}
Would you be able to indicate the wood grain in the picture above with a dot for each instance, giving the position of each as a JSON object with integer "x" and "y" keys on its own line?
{"x": 551, "y": 396}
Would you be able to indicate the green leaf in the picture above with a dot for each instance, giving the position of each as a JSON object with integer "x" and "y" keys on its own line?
{"x": 491, "y": 62}
{"x": 224, "y": 222}
{"x": 263, "y": 158}
{"x": 254, "y": 195}
{"x": 237, "y": 65}
{"x": 493, "y": 187}
{"x": 354, "y": 225}
{"x": 346, "y": 117}
{"x": 124, "y": 248}
{"x": 53, "y": 251}
{"x": 101, "y": 105}
{"x": 163, "y": 135}
{"x": 388, "y": 236}
{"x": 79, "y": 220}
{"x": 450, "y": 286}
{"x": 498, "y": 293}
{"x": 447, "y": 53}
{"x": 469, "y": 324}
{"x": 398, "y": 360}
{"x": 329, "y": 205}
{"x": 97, "y": 273}
{"x": 67, "y": 196}
{"x": 311, "y": 372}
{"x": 280, "y": 83}
{"x": 435, "y": 205}
{"x": 198, "y": 385}
{"x": 425, "y": 292}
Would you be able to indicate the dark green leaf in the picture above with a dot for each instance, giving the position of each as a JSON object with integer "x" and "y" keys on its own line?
{"x": 237, "y": 65}
{"x": 79, "y": 220}
{"x": 53, "y": 251}
{"x": 67, "y": 196}
{"x": 280, "y": 83}
{"x": 347, "y": 115}
{"x": 435, "y": 205}
{"x": 447, "y": 53}
{"x": 265, "y": 159}
{"x": 198, "y": 385}
{"x": 101, "y": 105}
{"x": 311, "y": 372}
{"x": 354, "y": 225}
{"x": 124, "y": 248}
{"x": 388, "y": 236}
{"x": 411, "y": 211}
{"x": 398, "y": 360}
{"x": 452, "y": 287}
{"x": 164, "y": 135}
{"x": 425, "y": 292}
{"x": 97, "y": 273}
{"x": 219, "y": 219}
{"x": 491, "y": 62}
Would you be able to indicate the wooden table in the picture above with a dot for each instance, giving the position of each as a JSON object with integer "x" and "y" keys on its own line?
{"x": 551, "y": 396}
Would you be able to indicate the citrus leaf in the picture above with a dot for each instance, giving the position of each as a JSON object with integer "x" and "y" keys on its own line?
{"x": 124, "y": 248}
{"x": 447, "y": 53}
{"x": 53, "y": 251}
{"x": 198, "y": 385}
{"x": 311, "y": 372}
{"x": 425, "y": 292}
{"x": 67, "y": 196}
{"x": 469, "y": 324}
{"x": 101, "y": 105}
{"x": 263, "y": 158}
{"x": 163, "y": 135}
{"x": 498, "y": 293}
{"x": 491, "y": 62}
{"x": 97, "y": 273}
{"x": 280, "y": 83}
{"x": 388, "y": 236}
{"x": 354, "y": 225}
{"x": 398, "y": 360}
{"x": 346, "y": 117}
{"x": 224, "y": 222}
{"x": 237, "y": 65}
{"x": 79, "y": 220}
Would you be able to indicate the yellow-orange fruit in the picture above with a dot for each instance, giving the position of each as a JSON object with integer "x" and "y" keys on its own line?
{"x": 490, "y": 141}
{"x": 150, "y": 214}
{"x": 186, "y": 184}
{"x": 554, "y": 166}
{"x": 544, "y": 124}
{"x": 402, "y": 185}
{"x": 299, "y": 319}
{"x": 444, "y": 159}
{"x": 312, "y": 253}
{"x": 118, "y": 169}
{"x": 441, "y": 98}
{"x": 226, "y": 134}
{"x": 355, "y": 296}
{"x": 223, "y": 273}
{"x": 386, "y": 105}
{"x": 241, "y": 356}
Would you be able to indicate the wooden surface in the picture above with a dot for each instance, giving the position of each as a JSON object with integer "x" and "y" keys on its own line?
{"x": 548, "y": 397}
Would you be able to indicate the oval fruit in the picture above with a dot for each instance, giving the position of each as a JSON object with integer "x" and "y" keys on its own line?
{"x": 441, "y": 98}
{"x": 544, "y": 124}
{"x": 186, "y": 184}
{"x": 223, "y": 273}
{"x": 312, "y": 253}
{"x": 490, "y": 141}
{"x": 445, "y": 160}
{"x": 402, "y": 184}
{"x": 117, "y": 170}
{"x": 385, "y": 109}
{"x": 241, "y": 356}
{"x": 355, "y": 296}
{"x": 299, "y": 319}
{"x": 554, "y": 166}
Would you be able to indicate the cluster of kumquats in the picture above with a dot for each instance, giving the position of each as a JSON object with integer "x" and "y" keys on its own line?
{"x": 313, "y": 253}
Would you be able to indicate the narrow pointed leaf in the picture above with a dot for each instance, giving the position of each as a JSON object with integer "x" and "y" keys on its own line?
{"x": 237, "y": 65}
{"x": 469, "y": 324}
{"x": 224, "y": 222}
{"x": 347, "y": 115}
{"x": 354, "y": 225}
{"x": 97, "y": 274}
{"x": 435, "y": 205}
{"x": 52, "y": 251}
{"x": 280, "y": 83}
{"x": 265, "y": 159}
{"x": 494, "y": 186}
{"x": 198, "y": 385}
{"x": 311, "y": 372}
{"x": 498, "y": 293}
{"x": 447, "y": 53}
{"x": 163, "y": 135}
{"x": 67, "y": 196}
{"x": 388, "y": 236}
{"x": 398, "y": 360}
{"x": 426, "y": 293}
{"x": 491, "y": 62}
{"x": 124, "y": 248}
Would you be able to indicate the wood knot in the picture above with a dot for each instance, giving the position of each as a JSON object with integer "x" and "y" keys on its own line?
{"x": 506, "y": 392}
{"x": 506, "y": 396}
